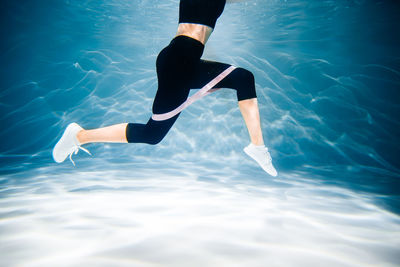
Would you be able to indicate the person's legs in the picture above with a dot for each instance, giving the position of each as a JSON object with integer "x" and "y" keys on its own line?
{"x": 243, "y": 82}
{"x": 75, "y": 136}
{"x": 150, "y": 133}
{"x": 154, "y": 131}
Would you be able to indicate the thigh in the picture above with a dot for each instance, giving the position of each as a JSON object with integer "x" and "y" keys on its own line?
{"x": 173, "y": 90}
{"x": 173, "y": 73}
{"x": 239, "y": 79}
{"x": 206, "y": 70}
{"x": 169, "y": 98}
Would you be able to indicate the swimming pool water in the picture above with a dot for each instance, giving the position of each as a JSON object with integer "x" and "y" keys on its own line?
{"x": 327, "y": 76}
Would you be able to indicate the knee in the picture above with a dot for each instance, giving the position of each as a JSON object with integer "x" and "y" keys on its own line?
{"x": 148, "y": 133}
{"x": 245, "y": 84}
{"x": 149, "y": 138}
{"x": 155, "y": 139}
{"x": 244, "y": 77}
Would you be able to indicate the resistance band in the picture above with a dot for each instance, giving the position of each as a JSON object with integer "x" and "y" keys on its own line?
{"x": 205, "y": 90}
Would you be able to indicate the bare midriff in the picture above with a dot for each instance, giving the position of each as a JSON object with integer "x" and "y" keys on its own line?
{"x": 196, "y": 31}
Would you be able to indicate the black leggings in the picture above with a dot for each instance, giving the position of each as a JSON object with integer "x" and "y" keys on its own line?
{"x": 179, "y": 69}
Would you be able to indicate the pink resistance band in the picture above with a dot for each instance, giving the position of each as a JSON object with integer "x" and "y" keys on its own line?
{"x": 205, "y": 90}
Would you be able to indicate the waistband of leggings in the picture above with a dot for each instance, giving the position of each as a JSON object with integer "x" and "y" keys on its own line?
{"x": 186, "y": 41}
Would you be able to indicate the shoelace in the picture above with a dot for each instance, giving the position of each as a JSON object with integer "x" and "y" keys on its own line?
{"x": 76, "y": 150}
{"x": 267, "y": 154}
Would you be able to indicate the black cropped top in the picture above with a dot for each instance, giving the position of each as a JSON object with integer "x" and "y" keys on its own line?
{"x": 204, "y": 12}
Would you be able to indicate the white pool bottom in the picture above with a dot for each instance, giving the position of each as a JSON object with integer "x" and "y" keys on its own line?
{"x": 122, "y": 218}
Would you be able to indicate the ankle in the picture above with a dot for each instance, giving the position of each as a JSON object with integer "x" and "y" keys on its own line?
{"x": 80, "y": 136}
{"x": 257, "y": 143}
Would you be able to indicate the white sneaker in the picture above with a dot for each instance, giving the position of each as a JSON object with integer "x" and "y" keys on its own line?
{"x": 68, "y": 144}
{"x": 261, "y": 155}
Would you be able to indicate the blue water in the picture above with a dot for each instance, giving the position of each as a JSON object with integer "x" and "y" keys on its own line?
{"x": 328, "y": 81}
